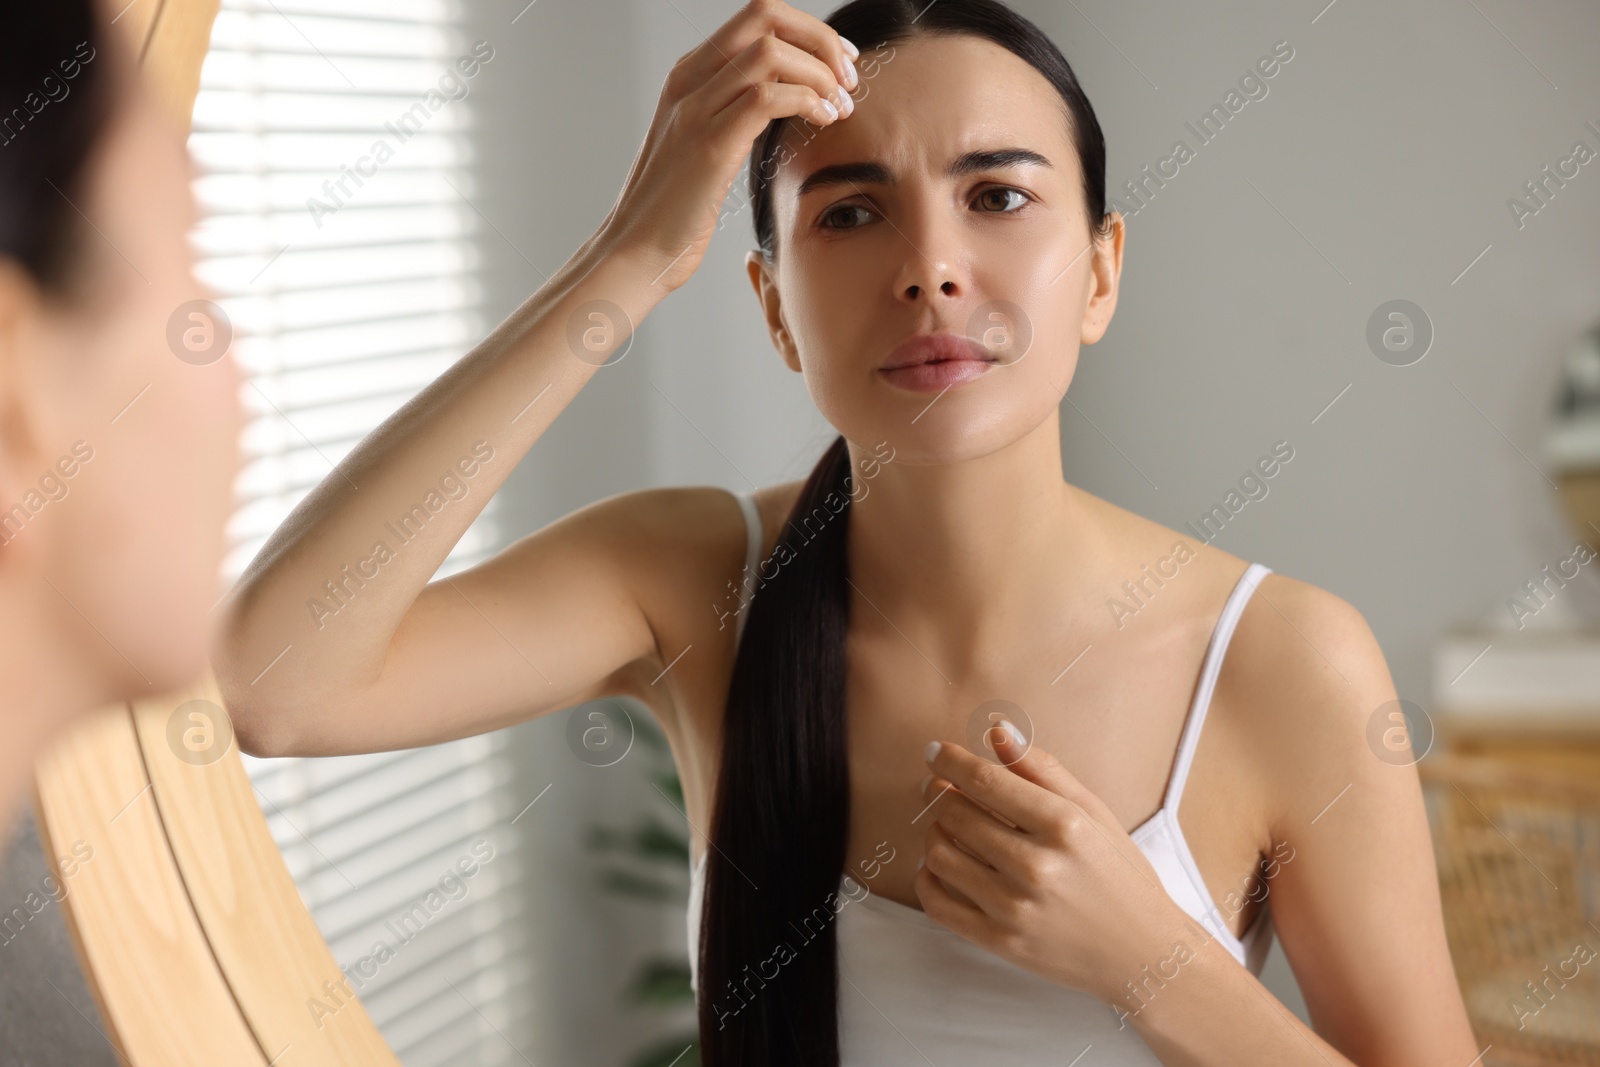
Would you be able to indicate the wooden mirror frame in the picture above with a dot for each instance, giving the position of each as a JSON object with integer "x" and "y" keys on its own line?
{"x": 189, "y": 930}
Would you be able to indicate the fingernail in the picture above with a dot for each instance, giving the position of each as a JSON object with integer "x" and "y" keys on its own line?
{"x": 846, "y": 103}
{"x": 920, "y": 861}
{"x": 1011, "y": 729}
{"x": 854, "y": 78}
{"x": 932, "y": 751}
{"x": 855, "y": 53}
{"x": 828, "y": 106}
{"x": 922, "y": 786}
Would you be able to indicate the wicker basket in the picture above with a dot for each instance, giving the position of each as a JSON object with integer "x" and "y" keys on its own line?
{"x": 1516, "y": 832}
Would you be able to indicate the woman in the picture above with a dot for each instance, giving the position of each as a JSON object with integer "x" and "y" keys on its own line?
{"x": 934, "y": 249}
{"x": 117, "y": 457}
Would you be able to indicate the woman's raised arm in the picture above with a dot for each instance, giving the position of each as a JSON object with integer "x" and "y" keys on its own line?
{"x": 333, "y": 640}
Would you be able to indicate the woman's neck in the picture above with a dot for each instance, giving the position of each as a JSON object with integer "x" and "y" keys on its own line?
{"x": 45, "y": 694}
{"x": 969, "y": 552}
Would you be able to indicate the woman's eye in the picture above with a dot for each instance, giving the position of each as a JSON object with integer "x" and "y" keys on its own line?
{"x": 997, "y": 201}
{"x": 833, "y": 213}
{"x": 1002, "y": 192}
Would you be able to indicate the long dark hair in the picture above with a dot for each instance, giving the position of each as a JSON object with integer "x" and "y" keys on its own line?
{"x": 53, "y": 91}
{"x": 768, "y": 955}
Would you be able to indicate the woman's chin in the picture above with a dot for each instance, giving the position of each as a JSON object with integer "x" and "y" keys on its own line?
{"x": 164, "y": 651}
{"x": 164, "y": 672}
{"x": 944, "y": 433}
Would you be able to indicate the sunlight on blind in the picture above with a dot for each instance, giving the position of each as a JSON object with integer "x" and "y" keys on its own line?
{"x": 334, "y": 154}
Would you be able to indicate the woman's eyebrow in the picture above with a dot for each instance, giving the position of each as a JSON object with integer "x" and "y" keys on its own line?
{"x": 873, "y": 173}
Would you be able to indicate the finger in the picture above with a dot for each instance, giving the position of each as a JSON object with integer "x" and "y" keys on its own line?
{"x": 1016, "y": 799}
{"x": 760, "y": 18}
{"x": 935, "y": 789}
{"x": 770, "y": 59}
{"x": 982, "y": 834}
{"x": 975, "y": 880}
{"x": 946, "y": 909}
{"x": 742, "y": 121}
{"x": 944, "y": 791}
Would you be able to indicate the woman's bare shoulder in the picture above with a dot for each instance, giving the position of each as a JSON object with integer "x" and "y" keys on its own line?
{"x": 1355, "y": 892}
{"x": 1303, "y": 675}
{"x": 677, "y": 533}
{"x": 1306, "y": 676}
{"x": 699, "y": 529}
{"x": 1297, "y": 636}
{"x": 775, "y": 504}
{"x": 682, "y": 549}
{"x": 1143, "y": 544}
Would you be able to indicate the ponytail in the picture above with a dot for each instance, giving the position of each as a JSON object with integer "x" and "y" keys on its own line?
{"x": 768, "y": 974}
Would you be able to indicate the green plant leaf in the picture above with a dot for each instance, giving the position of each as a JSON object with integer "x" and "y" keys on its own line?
{"x": 670, "y": 1053}
{"x": 655, "y": 840}
{"x": 607, "y": 837}
{"x": 662, "y": 981}
{"x": 628, "y": 884}
{"x": 668, "y": 781}
{"x": 649, "y": 839}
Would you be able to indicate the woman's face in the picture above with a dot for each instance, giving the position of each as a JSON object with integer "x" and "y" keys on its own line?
{"x": 119, "y": 457}
{"x": 1000, "y": 253}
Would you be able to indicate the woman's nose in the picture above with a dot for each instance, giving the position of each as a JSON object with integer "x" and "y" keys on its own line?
{"x": 924, "y": 277}
{"x": 932, "y": 252}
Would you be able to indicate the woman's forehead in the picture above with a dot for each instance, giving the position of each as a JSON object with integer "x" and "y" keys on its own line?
{"x": 935, "y": 100}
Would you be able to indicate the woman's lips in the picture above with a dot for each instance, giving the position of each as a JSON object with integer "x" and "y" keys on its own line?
{"x": 929, "y": 362}
{"x": 933, "y": 377}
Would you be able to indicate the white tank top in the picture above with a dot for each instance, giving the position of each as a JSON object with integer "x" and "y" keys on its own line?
{"x": 910, "y": 988}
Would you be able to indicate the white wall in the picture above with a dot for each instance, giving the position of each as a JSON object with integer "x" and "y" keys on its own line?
{"x": 1377, "y": 167}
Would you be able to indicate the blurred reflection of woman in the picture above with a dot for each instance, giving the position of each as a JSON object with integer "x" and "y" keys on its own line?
{"x": 117, "y": 457}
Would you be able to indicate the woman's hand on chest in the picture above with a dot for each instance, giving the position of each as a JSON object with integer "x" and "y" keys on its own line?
{"x": 1044, "y": 874}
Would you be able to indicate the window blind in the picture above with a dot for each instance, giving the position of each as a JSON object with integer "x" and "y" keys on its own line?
{"x": 349, "y": 273}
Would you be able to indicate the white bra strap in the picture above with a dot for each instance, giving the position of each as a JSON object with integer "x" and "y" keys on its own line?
{"x": 1208, "y": 677}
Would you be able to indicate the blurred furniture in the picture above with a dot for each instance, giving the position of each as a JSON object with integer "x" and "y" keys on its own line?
{"x": 1512, "y": 786}
{"x": 189, "y": 928}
